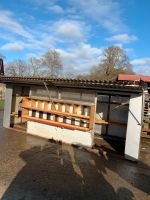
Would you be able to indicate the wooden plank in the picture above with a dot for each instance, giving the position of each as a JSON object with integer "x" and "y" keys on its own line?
{"x": 61, "y": 113}
{"x": 75, "y": 108}
{"x": 59, "y": 124}
{"x": 33, "y": 103}
{"x": 53, "y": 106}
{"x": 40, "y": 104}
{"x": 45, "y": 106}
{"x": 26, "y": 102}
{"x": 67, "y": 108}
{"x": 101, "y": 121}
{"x": 92, "y": 114}
{"x": 63, "y": 101}
{"x": 25, "y": 111}
{"x": 59, "y": 107}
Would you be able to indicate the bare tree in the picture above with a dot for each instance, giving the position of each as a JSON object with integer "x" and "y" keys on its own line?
{"x": 114, "y": 61}
{"x": 51, "y": 59}
{"x": 35, "y": 67}
{"x": 16, "y": 68}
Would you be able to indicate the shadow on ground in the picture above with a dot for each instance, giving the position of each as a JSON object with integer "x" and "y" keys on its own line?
{"x": 61, "y": 172}
{"x": 64, "y": 172}
{"x": 56, "y": 173}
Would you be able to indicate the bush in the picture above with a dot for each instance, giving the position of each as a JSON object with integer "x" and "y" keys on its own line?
{"x": 1, "y": 104}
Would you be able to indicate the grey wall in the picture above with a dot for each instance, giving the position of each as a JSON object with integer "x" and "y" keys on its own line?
{"x": 40, "y": 91}
{"x": 7, "y": 106}
{"x": 72, "y": 94}
{"x": 118, "y": 112}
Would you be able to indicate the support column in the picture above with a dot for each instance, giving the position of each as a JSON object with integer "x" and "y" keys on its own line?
{"x": 133, "y": 134}
{"x": 7, "y": 106}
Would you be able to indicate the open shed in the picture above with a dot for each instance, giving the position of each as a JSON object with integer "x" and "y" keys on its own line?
{"x": 73, "y": 111}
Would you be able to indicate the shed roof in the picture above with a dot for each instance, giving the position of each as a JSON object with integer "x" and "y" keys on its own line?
{"x": 129, "y": 77}
{"x": 129, "y": 86}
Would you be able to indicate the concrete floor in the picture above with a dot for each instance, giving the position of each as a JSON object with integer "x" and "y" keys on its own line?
{"x": 35, "y": 169}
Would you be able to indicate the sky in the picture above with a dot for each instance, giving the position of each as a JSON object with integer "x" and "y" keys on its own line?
{"x": 78, "y": 29}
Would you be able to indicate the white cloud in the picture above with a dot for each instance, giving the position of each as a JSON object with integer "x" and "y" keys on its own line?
{"x": 141, "y": 61}
{"x": 71, "y": 29}
{"x": 4, "y": 35}
{"x": 81, "y": 58}
{"x": 87, "y": 52}
{"x": 56, "y": 9}
{"x": 16, "y": 46}
{"x": 78, "y": 55}
{"x": 107, "y": 13}
{"x": 53, "y": 33}
{"x": 122, "y": 38}
{"x": 143, "y": 70}
{"x": 141, "y": 66}
{"x": 7, "y": 22}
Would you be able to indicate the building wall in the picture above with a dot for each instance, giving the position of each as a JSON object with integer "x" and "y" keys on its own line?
{"x": 40, "y": 91}
{"x": 70, "y": 94}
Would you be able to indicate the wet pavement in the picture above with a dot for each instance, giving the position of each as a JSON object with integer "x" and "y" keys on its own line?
{"x": 36, "y": 169}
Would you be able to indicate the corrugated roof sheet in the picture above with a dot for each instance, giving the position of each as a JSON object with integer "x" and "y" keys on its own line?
{"x": 128, "y": 77}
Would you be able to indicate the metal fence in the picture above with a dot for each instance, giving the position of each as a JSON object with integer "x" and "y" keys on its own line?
{"x": 2, "y": 91}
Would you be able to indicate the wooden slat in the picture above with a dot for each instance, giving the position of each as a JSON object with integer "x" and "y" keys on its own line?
{"x": 33, "y": 103}
{"x": 59, "y": 124}
{"x": 25, "y": 111}
{"x": 61, "y": 113}
{"x": 26, "y": 102}
{"x": 45, "y": 106}
{"x": 40, "y": 104}
{"x": 59, "y": 107}
{"x": 101, "y": 121}
{"x": 75, "y": 109}
{"x": 53, "y": 106}
{"x": 67, "y": 108}
{"x": 62, "y": 101}
{"x": 92, "y": 114}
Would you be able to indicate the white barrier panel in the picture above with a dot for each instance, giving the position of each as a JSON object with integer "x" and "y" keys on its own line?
{"x": 76, "y": 137}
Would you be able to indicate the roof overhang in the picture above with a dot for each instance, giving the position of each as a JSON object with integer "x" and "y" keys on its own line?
{"x": 126, "y": 86}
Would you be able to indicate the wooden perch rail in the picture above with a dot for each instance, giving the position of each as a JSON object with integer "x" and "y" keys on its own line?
{"x": 101, "y": 121}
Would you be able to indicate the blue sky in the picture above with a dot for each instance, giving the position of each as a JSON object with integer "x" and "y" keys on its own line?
{"x": 78, "y": 29}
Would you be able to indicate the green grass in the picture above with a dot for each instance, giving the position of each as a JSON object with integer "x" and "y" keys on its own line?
{"x": 1, "y": 104}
